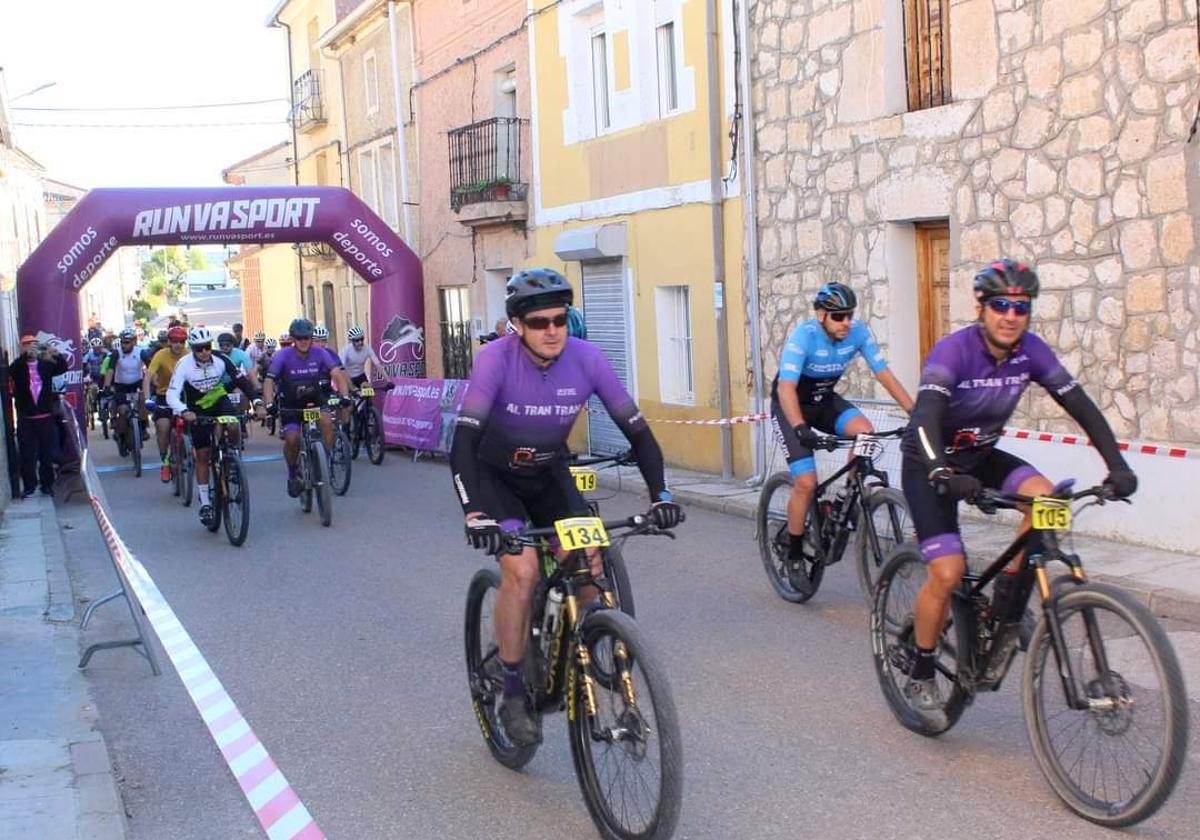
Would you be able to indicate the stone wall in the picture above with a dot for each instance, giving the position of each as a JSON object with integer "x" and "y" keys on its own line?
{"x": 1066, "y": 144}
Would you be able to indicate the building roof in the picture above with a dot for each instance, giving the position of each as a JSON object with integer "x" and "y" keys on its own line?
{"x": 254, "y": 158}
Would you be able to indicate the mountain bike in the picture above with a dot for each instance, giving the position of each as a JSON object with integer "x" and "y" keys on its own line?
{"x": 864, "y": 505}
{"x": 228, "y": 488}
{"x": 366, "y": 423}
{"x": 130, "y": 443}
{"x": 341, "y": 461}
{"x": 1103, "y": 696}
{"x": 313, "y": 462}
{"x": 595, "y": 663}
{"x": 92, "y": 404}
{"x": 586, "y": 481}
{"x": 181, "y": 455}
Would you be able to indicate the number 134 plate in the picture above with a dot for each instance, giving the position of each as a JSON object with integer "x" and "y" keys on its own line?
{"x": 581, "y": 532}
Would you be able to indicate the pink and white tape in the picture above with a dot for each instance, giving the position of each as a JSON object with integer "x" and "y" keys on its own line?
{"x": 277, "y": 807}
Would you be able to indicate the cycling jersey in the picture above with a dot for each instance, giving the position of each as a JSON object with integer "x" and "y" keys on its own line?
{"x": 197, "y": 386}
{"x": 300, "y": 376}
{"x": 93, "y": 364}
{"x": 254, "y": 351}
{"x": 127, "y": 368}
{"x": 815, "y": 362}
{"x": 241, "y": 360}
{"x": 162, "y": 366}
{"x": 354, "y": 360}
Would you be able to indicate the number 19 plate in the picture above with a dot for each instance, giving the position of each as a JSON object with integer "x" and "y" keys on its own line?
{"x": 867, "y": 447}
{"x": 585, "y": 479}
{"x": 1051, "y": 514}
{"x": 581, "y": 532}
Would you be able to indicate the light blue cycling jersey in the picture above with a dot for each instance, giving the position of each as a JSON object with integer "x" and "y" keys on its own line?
{"x": 241, "y": 360}
{"x": 816, "y": 362}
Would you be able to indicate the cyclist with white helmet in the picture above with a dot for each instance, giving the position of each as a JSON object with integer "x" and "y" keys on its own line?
{"x": 357, "y": 355}
{"x": 197, "y": 390}
{"x": 123, "y": 372}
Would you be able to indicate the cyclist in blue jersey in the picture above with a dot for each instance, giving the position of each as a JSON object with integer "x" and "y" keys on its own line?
{"x": 815, "y": 356}
{"x": 972, "y": 381}
{"x": 508, "y": 455}
{"x": 227, "y": 343}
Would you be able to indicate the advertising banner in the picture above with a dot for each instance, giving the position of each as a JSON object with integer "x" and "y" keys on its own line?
{"x": 421, "y": 412}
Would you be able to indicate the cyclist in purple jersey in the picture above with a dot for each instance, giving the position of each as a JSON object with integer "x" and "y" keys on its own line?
{"x": 970, "y": 386}
{"x": 302, "y": 373}
{"x": 508, "y": 455}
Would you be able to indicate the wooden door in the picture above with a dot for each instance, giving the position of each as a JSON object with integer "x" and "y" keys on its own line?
{"x": 933, "y": 282}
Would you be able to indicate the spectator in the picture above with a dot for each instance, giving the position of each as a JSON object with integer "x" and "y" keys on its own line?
{"x": 239, "y": 340}
{"x": 34, "y": 400}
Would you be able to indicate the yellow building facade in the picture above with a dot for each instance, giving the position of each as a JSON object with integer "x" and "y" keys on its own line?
{"x": 642, "y": 210}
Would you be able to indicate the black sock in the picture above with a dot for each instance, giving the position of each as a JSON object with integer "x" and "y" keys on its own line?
{"x": 514, "y": 677}
{"x": 795, "y": 547}
{"x": 923, "y": 660}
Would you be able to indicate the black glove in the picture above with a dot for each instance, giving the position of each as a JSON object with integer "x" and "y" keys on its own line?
{"x": 484, "y": 533}
{"x": 666, "y": 514}
{"x": 812, "y": 439}
{"x": 956, "y": 485}
{"x": 1121, "y": 483}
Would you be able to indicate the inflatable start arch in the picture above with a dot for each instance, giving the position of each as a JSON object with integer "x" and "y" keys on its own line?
{"x": 48, "y": 283}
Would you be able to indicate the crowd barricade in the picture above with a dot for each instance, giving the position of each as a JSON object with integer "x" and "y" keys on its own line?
{"x": 420, "y": 413}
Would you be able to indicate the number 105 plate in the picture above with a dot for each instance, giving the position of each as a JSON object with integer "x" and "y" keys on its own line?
{"x": 581, "y": 532}
{"x": 1051, "y": 514}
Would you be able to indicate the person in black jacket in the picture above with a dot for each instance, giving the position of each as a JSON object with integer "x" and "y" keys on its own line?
{"x": 32, "y": 378}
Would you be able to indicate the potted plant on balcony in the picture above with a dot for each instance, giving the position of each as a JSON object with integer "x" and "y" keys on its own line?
{"x": 500, "y": 187}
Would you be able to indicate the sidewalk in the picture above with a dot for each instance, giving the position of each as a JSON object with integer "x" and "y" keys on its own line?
{"x": 56, "y": 781}
{"x": 1168, "y": 582}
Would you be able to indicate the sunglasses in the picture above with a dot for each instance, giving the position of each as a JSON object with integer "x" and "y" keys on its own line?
{"x": 541, "y": 322}
{"x": 201, "y": 348}
{"x": 841, "y": 316}
{"x": 1001, "y": 306}
{"x": 357, "y": 340}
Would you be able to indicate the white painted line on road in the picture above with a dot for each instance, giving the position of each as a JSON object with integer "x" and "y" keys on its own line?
{"x": 232, "y": 732}
{"x": 213, "y": 712}
{"x": 248, "y": 760}
{"x": 266, "y": 790}
{"x": 292, "y": 825}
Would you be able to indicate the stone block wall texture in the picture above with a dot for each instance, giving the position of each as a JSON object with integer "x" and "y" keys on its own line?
{"x": 1065, "y": 144}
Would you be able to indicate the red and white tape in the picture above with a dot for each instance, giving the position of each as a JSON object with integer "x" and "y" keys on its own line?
{"x": 277, "y": 807}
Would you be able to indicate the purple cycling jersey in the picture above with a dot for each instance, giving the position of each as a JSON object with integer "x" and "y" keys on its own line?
{"x": 301, "y": 375}
{"x": 526, "y": 412}
{"x": 982, "y": 392}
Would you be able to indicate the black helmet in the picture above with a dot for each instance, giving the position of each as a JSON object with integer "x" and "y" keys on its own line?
{"x": 162, "y": 336}
{"x": 1006, "y": 277}
{"x": 300, "y": 328}
{"x": 536, "y": 288}
{"x": 835, "y": 297}
{"x": 225, "y": 338}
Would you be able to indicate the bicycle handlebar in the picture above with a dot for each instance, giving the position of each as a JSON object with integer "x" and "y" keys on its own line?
{"x": 834, "y": 442}
{"x": 639, "y": 523}
{"x": 624, "y": 458}
{"x": 989, "y": 501}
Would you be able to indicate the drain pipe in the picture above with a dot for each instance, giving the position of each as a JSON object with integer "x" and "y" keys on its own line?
{"x": 760, "y": 440}
{"x": 401, "y": 139}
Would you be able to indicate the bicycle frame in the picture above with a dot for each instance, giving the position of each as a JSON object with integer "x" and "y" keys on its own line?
{"x": 863, "y": 467}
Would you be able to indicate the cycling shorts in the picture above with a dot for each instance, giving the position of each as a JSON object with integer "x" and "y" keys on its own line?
{"x": 162, "y": 411}
{"x": 935, "y": 517}
{"x": 831, "y": 416}
{"x": 539, "y": 498}
{"x": 202, "y": 436}
{"x": 358, "y": 381}
{"x": 291, "y": 411}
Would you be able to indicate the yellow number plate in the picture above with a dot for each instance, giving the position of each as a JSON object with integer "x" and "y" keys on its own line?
{"x": 585, "y": 479}
{"x": 227, "y": 418}
{"x": 581, "y": 532}
{"x": 366, "y": 392}
{"x": 311, "y": 414}
{"x": 1051, "y": 515}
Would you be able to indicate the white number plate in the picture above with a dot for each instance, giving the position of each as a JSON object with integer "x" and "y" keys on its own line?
{"x": 867, "y": 447}
{"x": 236, "y": 398}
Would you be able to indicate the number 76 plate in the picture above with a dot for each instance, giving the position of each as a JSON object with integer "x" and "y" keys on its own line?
{"x": 581, "y": 532}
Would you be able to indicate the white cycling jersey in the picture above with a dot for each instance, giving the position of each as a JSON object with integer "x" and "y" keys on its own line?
{"x": 198, "y": 387}
{"x": 355, "y": 361}
{"x": 127, "y": 368}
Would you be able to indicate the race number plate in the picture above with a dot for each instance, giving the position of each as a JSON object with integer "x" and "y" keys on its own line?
{"x": 866, "y": 446}
{"x": 1051, "y": 514}
{"x": 581, "y": 532}
{"x": 585, "y": 479}
{"x": 236, "y": 398}
{"x": 366, "y": 392}
{"x": 227, "y": 419}
{"x": 311, "y": 415}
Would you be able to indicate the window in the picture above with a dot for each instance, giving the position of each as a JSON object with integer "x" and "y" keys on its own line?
{"x": 927, "y": 52}
{"x": 310, "y": 303}
{"x": 371, "y": 77}
{"x": 329, "y": 307}
{"x": 675, "y": 380}
{"x": 454, "y": 320}
{"x": 933, "y": 282}
{"x": 322, "y": 169}
{"x": 313, "y": 32}
{"x": 377, "y": 181}
{"x": 366, "y": 177}
{"x": 668, "y": 84}
{"x": 600, "y": 79}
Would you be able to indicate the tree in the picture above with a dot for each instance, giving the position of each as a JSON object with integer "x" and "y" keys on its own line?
{"x": 197, "y": 260}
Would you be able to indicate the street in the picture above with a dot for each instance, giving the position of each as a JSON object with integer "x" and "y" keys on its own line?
{"x": 212, "y": 307}
{"x": 343, "y": 649}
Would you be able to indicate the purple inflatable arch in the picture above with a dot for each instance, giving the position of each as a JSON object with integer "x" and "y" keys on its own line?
{"x": 49, "y": 281}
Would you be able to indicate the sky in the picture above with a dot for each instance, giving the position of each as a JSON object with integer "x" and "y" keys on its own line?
{"x": 143, "y": 53}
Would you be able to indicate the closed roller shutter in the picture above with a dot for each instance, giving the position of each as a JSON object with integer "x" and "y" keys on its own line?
{"x": 606, "y": 312}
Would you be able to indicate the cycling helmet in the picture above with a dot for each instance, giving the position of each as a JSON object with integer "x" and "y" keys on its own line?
{"x": 199, "y": 335}
{"x": 536, "y": 288}
{"x": 320, "y": 331}
{"x": 225, "y": 338}
{"x": 300, "y": 328}
{"x": 271, "y": 344}
{"x": 355, "y": 333}
{"x": 576, "y": 326}
{"x": 285, "y": 340}
{"x": 835, "y": 297}
{"x": 260, "y": 336}
{"x": 127, "y": 335}
{"x": 95, "y": 342}
{"x": 177, "y": 334}
{"x": 162, "y": 336}
{"x": 1006, "y": 277}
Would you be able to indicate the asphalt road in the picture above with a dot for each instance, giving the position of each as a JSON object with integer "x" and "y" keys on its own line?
{"x": 343, "y": 649}
{"x": 216, "y": 308}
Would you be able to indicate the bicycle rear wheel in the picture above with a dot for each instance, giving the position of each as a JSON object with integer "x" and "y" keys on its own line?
{"x": 1117, "y": 762}
{"x": 306, "y": 492}
{"x": 892, "y": 525}
{"x": 214, "y": 491}
{"x": 892, "y": 643}
{"x": 176, "y": 458}
{"x": 484, "y": 677}
{"x": 187, "y": 470}
{"x": 236, "y": 500}
{"x": 373, "y": 432}
{"x": 318, "y": 469}
{"x": 627, "y": 751}
{"x": 774, "y": 542}
{"x": 135, "y": 446}
{"x": 340, "y": 463}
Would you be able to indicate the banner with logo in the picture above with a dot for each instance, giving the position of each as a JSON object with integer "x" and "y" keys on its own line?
{"x": 421, "y": 412}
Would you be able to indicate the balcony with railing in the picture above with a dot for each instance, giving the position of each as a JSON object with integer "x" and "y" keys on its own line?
{"x": 308, "y": 102}
{"x": 486, "y": 185}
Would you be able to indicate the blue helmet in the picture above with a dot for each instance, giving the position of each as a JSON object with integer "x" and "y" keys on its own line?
{"x": 576, "y": 326}
{"x": 835, "y": 297}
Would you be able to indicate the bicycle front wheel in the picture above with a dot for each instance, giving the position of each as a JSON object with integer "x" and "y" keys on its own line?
{"x": 888, "y": 525}
{"x": 1116, "y": 762}
{"x": 484, "y": 677}
{"x": 236, "y": 500}
{"x": 625, "y": 733}
{"x": 318, "y": 460}
{"x": 135, "y": 447}
{"x": 373, "y": 433}
{"x": 341, "y": 463}
{"x": 618, "y": 578}
{"x": 187, "y": 470}
{"x": 774, "y": 542}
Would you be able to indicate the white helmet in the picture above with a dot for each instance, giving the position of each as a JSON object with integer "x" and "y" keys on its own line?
{"x": 272, "y": 344}
{"x": 260, "y": 336}
{"x": 321, "y": 331}
{"x": 199, "y": 335}
{"x": 355, "y": 333}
